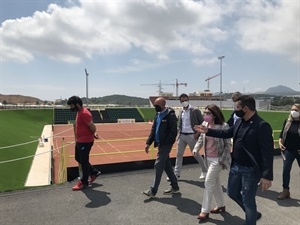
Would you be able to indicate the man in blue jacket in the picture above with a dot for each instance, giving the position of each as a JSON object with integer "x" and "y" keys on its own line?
{"x": 252, "y": 156}
{"x": 163, "y": 134}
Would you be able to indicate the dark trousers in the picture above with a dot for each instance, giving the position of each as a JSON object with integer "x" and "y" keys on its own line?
{"x": 163, "y": 163}
{"x": 82, "y": 155}
{"x": 290, "y": 157}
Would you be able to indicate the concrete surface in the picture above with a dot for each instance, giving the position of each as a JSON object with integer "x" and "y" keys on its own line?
{"x": 116, "y": 199}
{"x": 40, "y": 170}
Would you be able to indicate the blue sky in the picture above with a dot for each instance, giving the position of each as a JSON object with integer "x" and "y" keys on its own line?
{"x": 46, "y": 46}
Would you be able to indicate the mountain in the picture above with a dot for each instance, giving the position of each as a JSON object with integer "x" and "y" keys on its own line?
{"x": 281, "y": 90}
{"x": 121, "y": 100}
{"x": 19, "y": 99}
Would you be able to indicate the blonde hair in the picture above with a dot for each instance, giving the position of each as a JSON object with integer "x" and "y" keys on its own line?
{"x": 290, "y": 116}
{"x": 236, "y": 95}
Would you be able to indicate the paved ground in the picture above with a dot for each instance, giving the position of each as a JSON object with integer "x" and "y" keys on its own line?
{"x": 117, "y": 199}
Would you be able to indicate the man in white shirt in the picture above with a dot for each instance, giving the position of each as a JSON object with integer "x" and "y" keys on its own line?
{"x": 187, "y": 119}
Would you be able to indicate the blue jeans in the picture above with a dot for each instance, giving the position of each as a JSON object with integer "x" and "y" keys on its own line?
{"x": 242, "y": 187}
{"x": 163, "y": 163}
{"x": 290, "y": 156}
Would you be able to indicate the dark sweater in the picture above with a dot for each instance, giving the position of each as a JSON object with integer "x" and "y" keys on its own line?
{"x": 292, "y": 140}
{"x": 255, "y": 135}
{"x": 167, "y": 129}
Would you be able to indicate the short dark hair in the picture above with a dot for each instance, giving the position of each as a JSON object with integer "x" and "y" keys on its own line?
{"x": 74, "y": 100}
{"x": 247, "y": 100}
{"x": 183, "y": 95}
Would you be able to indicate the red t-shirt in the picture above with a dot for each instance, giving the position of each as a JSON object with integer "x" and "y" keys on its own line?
{"x": 83, "y": 132}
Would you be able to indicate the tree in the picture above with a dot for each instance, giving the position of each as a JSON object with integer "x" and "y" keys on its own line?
{"x": 4, "y": 102}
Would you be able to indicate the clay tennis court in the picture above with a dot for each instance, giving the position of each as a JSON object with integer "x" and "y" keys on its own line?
{"x": 118, "y": 143}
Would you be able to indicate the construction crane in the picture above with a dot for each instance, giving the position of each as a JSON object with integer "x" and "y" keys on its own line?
{"x": 177, "y": 84}
{"x": 160, "y": 84}
{"x": 209, "y": 78}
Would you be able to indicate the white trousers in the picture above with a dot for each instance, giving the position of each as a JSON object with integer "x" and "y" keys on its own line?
{"x": 213, "y": 185}
{"x": 183, "y": 141}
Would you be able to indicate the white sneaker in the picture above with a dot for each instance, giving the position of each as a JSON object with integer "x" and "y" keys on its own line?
{"x": 202, "y": 176}
{"x": 168, "y": 179}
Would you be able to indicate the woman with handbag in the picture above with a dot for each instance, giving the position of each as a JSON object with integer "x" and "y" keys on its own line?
{"x": 289, "y": 144}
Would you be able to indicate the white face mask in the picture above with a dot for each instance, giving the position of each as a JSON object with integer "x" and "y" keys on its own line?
{"x": 185, "y": 104}
{"x": 295, "y": 114}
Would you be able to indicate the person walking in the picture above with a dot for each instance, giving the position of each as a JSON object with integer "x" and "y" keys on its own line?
{"x": 187, "y": 119}
{"x": 85, "y": 132}
{"x": 252, "y": 156}
{"x": 217, "y": 158}
{"x": 233, "y": 117}
{"x": 289, "y": 144}
{"x": 163, "y": 134}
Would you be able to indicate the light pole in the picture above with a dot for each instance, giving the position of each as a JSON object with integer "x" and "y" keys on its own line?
{"x": 221, "y": 94}
{"x": 87, "y": 88}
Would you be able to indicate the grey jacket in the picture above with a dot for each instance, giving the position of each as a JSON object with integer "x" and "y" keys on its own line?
{"x": 223, "y": 146}
{"x": 196, "y": 118}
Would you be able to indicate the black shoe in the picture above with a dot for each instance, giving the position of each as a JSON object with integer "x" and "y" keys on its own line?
{"x": 258, "y": 215}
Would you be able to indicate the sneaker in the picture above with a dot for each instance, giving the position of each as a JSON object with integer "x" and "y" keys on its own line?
{"x": 79, "y": 186}
{"x": 94, "y": 177}
{"x": 177, "y": 177}
{"x": 171, "y": 191}
{"x": 202, "y": 176}
{"x": 149, "y": 193}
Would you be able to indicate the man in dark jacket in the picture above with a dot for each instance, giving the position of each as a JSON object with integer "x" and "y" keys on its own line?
{"x": 163, "y": 134}
{"x": 252, "y": 156}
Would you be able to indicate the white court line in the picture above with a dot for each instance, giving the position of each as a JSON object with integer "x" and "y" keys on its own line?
{"x": 40, "y": 170}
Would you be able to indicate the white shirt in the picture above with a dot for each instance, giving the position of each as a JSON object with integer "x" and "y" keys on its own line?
{"x": 186, "y": 121}
{"x": 235, "y": 118}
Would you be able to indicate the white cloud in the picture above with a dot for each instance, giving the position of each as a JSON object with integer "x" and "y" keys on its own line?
{"x": 270, "y": 26}
{"x": 112, "y": 27}
{"x": 15, "y": 54}
{"x": 233, "y": 82}
{"x": 85, "y": 29}
{"x": 205, "y": 61}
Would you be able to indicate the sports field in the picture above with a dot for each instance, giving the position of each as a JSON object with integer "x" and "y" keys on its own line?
{"x": 118, "y": 143}
{"x": 20, "y": 130}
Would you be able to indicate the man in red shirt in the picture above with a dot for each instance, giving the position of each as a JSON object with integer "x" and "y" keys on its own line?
{"x": 85, "y": 132}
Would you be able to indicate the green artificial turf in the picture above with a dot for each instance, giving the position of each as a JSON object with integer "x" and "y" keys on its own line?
{"x": 18, "y": 127}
